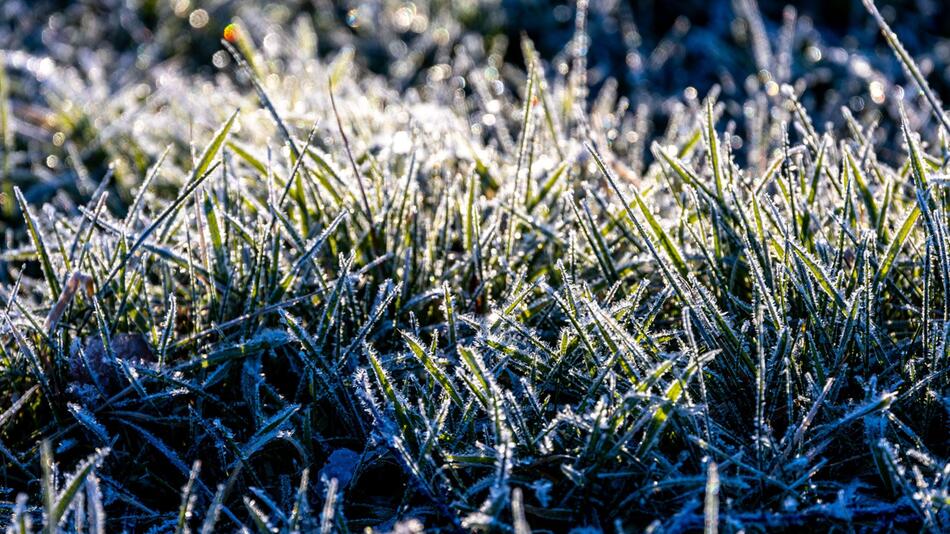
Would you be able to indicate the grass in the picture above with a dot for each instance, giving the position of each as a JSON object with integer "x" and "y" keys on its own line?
{"x": 477, "y": 306}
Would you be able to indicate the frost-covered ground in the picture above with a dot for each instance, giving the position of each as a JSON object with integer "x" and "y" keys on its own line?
{"x": 473, "y": 266}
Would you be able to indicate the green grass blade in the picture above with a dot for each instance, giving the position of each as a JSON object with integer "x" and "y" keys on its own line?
{"x": 896, "y": 244}
{"x": 52, "y": 281}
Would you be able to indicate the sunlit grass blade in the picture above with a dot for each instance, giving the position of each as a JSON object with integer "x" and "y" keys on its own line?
{"x": 909, "y": 65}
{"x": 202, "y": 170}
{"x": 39, "y": 244}
{"x": 433, "y": 368}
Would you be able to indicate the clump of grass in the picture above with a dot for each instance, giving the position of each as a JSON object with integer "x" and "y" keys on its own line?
{"x": 479, "y": 308}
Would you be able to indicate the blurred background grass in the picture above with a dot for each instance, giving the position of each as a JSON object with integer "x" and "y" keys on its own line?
{"x": 138, "y": 33}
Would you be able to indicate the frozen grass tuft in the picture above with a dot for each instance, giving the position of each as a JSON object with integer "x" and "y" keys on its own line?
{"x": 301, "y": 297}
